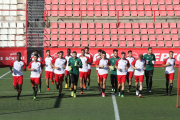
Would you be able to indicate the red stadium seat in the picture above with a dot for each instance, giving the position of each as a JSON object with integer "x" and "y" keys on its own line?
{"x": 97, "y": 2}
{"x": 113, "y": 25}
{"x": 54, "y": 31}
{"x": 144, "y": 37}
{"x": 84, "y": 31}
{"x": 121, "y": 31}
{"x": 125, "y": 2}
{"x": 150, "y": 31}
{"x": 98, "y": 25}
{"x": 107, "y": 43}
{"x": 115, "y": 44}
{"x": 121, "y": 25}
{"x": 90, "y": 13}
{"x": 158, "y": 31}
{"x": 76, "y": 25}
{"x": 47, "y": 7}
{"x": 140, "y": 7}
{"x": 99, "y": 37}
{"x": 99, "y": 43}
{"x": 137, "y": 37}
{"x": 126, "y": 13}
{"x": 62, "y": 2}
{"x": 129, "y": 37}
{"x": 98, "y": 31}
{"x": 104, "y": 2}
{"x": 105, "y": 25}
{"x": 46, "y": 37}
{"x": 139, "y": 2}
{"x": 62, "y": 37}
{"x": 135, "y": 25}
{"x": 77, "y": 37}
{"x": 175, "y": 37}
{"x": 172, "y": 25}
{"x": 170, "y": 7}
{"x": 127, "y": 25}
{"x": 61, "y": 31}
{"x": 128, "y": 31}
{"x": 143, "y": 31}
{"x": 83, "y": 2}
{"x": 91, "y": 31}
{"x": 69, "y": 43}
{"x": 53, "y": 37}
{"x": 173, "y": 31}
{"x": 61, "y": 25}
{"x": 168, "y": 43}
{"x": 153, "y": 43}
{"x": 112, "y": 13}
{"x": 76, "y": 31}
{"x": 153, "y": 1}
{"x": 54, "y": 13}
{"x": 68, "y": 2}
{"x": 68, "y": 7}
{"x": 176, "y": 44}
{"x": 165, "y": 25}
{"x": 152, "y": 37}
{"x": 143, "y": 25}
{"x": 175, "y": 1}
{"x": 160, "y": 37}
{"x": 148, "y": 7}
{"x": 97, "y": 13}
{"x": 61, "y": 7}
{"x": 111, "y": 2}
{"x": 157, "y": 25}
{"x": 62, "y": 43}
{"x": 92, "y": 37}
{"x": 169, "y": 2}
{"x": 47, "y": 1}
{"x": 106, "y": 37}
{"x": 105, "y": 13}
{"x": 54, "y": 44}
{"x": 161, "y": 2}
{"x": 76, "y": 2}
{"x": 162, "y": 7}
{"x": 155, "y": 7}
{"x": 145, "y": 43}
{"x": 91, "y": 25}
{"x": 84, "y": 37}
{"x": 46, "y": 43}
{"x": 113, "y": 31}
{"x": 119, "y": 7}
{"x": 160, "y": 43}
{"x": 84, "y": 43}
{"x": 75, "y": 7}
{"x": 133, "y": 13}
{"x": 130, "y": 44}
{"x": 114, "y": 37}
{"x": 54, "y": 25}
{"x": 135, "y": 31}
{"x": 69, "y": 25}
{"x": 122, "y": 43}
{"x": 147, "y": 2}
{"x": 121, "y": 37}
{"x": 47, "y": 31}
{"x": 106, "y": 31}
{"x": 167, "y": 37}
{"x": 150, "y": 25}
{"x": 137, "y": 43}
{"x": 166, "y": 31}
{"x": 83, "y": 7}
{"x": 118, "y": 2}
{"x": 77, "y": 43}
{"x": 92, "y": 43}
{"x": 132, "y": 2}
{"x": 69, "y": 37}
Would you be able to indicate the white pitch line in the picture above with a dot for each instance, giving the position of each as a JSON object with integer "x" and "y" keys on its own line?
{"x": 116, "y": 111}
{"x": 5, "y": 74}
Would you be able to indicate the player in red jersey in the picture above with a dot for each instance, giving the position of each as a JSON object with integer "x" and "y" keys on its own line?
{"x": 169, "y": 63}
{"x": 59, "y": 65}
{"x": 40, "y": 60}
{"x": 48, "y": 68}
{"x": 17, "y": 73}
{"x": 97, "y": 68}
{"x": 36, "y": 68}
{"x": 139, "y": 65}
{"x": 67, "y": 73}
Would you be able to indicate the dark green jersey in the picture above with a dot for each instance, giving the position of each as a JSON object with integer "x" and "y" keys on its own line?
{"x": 112, "y": 61}
{"x": 75, "y": 64}
{"x": 149, "y": 59}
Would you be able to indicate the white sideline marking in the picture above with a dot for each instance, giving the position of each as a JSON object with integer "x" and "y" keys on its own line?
{"x": 5, "y": 74}
{"x": 116, "y": 112}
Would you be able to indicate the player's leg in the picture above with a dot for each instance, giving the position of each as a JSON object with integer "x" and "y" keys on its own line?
{"x": 171, "y": 77}
{"x": 98, "y": 80}
{"x": 104, "y": 86}
{"x": 69, "y": 81}
{"x": 72, "y": 84}
{"x": 140, "y": 89}
{"x": 136, "y": 84}
{"x": 123, "y": 78}
{"x": 56, "y": 77}
{"x": 47, "y": 76}
{"x": 81, "y": 81}
{"x": 60, "y": 84}
{"x": 127, "y": 77}
{"x": 116, "y": 84}
{"x": 119, "y": 84}
{"x": 19, "y": 90}
{"x": 47, "y": 83}
{"x": 35, "y": 90}
{"x": 75, "y": 84}
{"x": 147, "y": 79}
{"x": 89, "y": 79}
{"x": 167, "y": 83}
{"x": 40, "y": 84}
{"x": 66, "y": 78}
{"x": 112, "y": 77}
{"x": 150, "y": 79}
{"x": 51, "y": 77}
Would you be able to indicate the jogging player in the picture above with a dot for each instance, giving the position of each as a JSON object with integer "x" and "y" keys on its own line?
{"x": 96, "y": 59}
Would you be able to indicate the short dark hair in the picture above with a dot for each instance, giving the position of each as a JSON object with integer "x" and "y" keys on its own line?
{"x": 82, "y": 50}
{"x": 149, "y": 48}
{"x": 103, "y": 52}
{"x": 58, "y": 52}
{"x": 171, "y": 52}
{"x": 123, "y": 53}
{"x": 47, "y": 51}
{"x": 99, "y": 50}
{"x": 115, "y": 50}
{"x": 74, "y": 52}
{"x": 69, "y": 49}
{"x": 87, "y": 48}
{"x": 36, "y": 51}
{"x": 61, "y": 52}
{"x": 19, "y": 53}
{"x": 36, "y": 55}
{"x": 130, "y": 51}
{"x": 140, "y": 56}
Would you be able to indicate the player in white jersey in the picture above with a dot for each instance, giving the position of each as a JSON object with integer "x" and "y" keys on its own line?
{"x": 130, "y": 69}
{"x": 169, "y": 63}
{"x": 122, "y": 66}
{"x": 48, "y": 68}
{"x": 83, "y": 72}
{"x": 40, "y": 60}
{"x": 103, "y": 65}
{"x": 36, "y": 68}
{"x": 139, "y": 65}
{"x": 67, "y": 73}
{"x": 90, "y": 56}
{"x": 97, "y": 68}
{"x": 18, "y": 66}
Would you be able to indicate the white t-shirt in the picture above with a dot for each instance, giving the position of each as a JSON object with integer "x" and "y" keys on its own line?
{"x": 169, "y": 69}
{"x": 84, "y": 64}
{"x": 60, "y": 64}
{"x": 122, "y": 64}
{"x": 90, "y": 56}
{"x": 140, "y": 66}
{"x": 47, "y": 62}
{"x": 67, "y": 58}
{"x": 39, "y": 59}
{"x": 18, "y": 67}
{"x": 37, "y": 69}
{"x": 104, "y": 62}
{"x": 96, "y": 59}
{"x": 130, "y": 59}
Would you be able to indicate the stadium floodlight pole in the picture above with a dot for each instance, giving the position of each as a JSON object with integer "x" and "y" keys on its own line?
{"x": 178, "y": 86}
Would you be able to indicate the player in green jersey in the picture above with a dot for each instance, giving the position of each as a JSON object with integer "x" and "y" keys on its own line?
{"x": 150, "y": 61}
{"x": 113, "y": 76}
{"x": 74, "y": 65}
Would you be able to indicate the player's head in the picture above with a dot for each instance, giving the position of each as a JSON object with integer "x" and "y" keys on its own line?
{"x": 86, "y": 50}
{"x": 18, "y": 56}
{"x": 48, "y": 52}
{"x": 82, "y": 52}
{"x": 99, "y": 52}
{"x": 74, "y": 54}
{"x": 130, "y": 53}
{"x": 36, "y": 57}
{"x": 123, "y": 54}
{"x": 140, "y": 56}
{"x": 36, "y": 52}
{"x": 61, "y": 54}
{"x": 57, "y": 54}
{"x": 68, "y": 51}
{"x": 103, "y": 54}
{"x": 150, "y": 50}
{"x": 171, "y": 54}
{"x": 115, "y": 52}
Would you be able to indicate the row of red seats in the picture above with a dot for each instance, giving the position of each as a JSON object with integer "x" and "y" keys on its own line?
{"x": 111, "y": 2}
{"x": 113, "y": 13}
{"x": 111, "y": 44}
{"x": 112, "y": 37}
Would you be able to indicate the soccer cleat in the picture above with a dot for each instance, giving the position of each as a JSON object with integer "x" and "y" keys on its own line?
{"x": 84, "y": 86}
{"x": 150, "y": 91}
{"x": 122, "y": 95}
{"x": 81, "y": 92}
{"x": 140, "y": 96}
{"x": 48, "y": 89}
{"x": 69, "y": 88}
{"x": 39, "y": 90}
{"x": 66, "y": 85}
{"x": 169, "y": 94}
{"x": 99, "y": 89}
{"x": 115, "y": 94}
{"x": 52, "y": 82}
{"x": 103, "y": 94}
{"x": 34, "y": 98}
{"x": 137, "y": 92}
{"x": 119, "y": 94}
{"x": 88, "y": 88}
{"x": 72, "y": 93}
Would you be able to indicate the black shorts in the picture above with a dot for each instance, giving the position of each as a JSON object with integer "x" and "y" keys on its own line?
{"x": 74, "y": 78}
{"x": 114, "y": 77}
{"x": 149, "y": 73}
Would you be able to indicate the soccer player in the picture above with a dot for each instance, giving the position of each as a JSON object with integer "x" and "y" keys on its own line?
{"x": 36, "y": 68}
{"x": 103, "y": 65}
{"x": 139, "y": 65}
{"x": 96, "y": 59}
{"x": 67, "y": 73}
{"x": 48, "y": 70}
{"x": 59, "y": 65}
{"x": 150, "y": 61}
{"x": 90, "y": 56}
{"x": 74, "y": 65}
{"x": 83, "y": 72}
{"x": 17, "y": 73}
{"x": 169, "y": 63}
{"x": 112, "y": 61}
{"x": 129, "y": 76}
{"x": 40, "y": 60}
{"x": 122, "y": 66}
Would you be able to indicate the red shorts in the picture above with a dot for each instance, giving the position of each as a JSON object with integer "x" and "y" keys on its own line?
{"x": 121, "y": 78}
{"x": 67, "y": 72}
{"x": 97, "y": 73}
{"x": 170, "y": 76}
{"x": 59, "y": 77}
{"x": 101, "y": 77}
{"x": 139, "y": 78}
{"x": 89, "y": 72}
{"x": 17, "y": 80}
{"x": 130, "y": 75}
{"x": 83, "y": 75}
{"x": 35, "y": 81}
{"x": 49, "y": 75}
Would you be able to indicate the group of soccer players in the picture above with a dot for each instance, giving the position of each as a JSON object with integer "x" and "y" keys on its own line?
{"x": 74, "y": 68}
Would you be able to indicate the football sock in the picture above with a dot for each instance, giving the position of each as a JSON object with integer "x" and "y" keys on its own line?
{"x": 122, "y": 92}
{"x": 74, "y": 91}
{"x": 48, "y": 86}
{"x": 167, "y": 86}
{"x": 99, "y": 84}
{"x": 150, "y": 83}
{"x": 119, "y": 90}
{"x": 103, "y": 90}
{"x": 81, "y": 89}
{"x": 57, "y": 86}
{"x": 137, "y": 88}
{"x": 36, "y": 89}
{"x": 171, "y": 85}
{"x": 129, "y": 87}
{"x": 33, "y": 88}
{"x": 18, "y": 95}
{"x": 147, "y": 82}
{"x": 140, "y": 91}
{"x": 128, "y": 81}
{"x": 88, "y": 83}
{"x": 116, "y": 90}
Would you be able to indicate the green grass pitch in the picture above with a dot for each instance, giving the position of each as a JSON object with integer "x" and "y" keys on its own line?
{"x": 89, "y": 106}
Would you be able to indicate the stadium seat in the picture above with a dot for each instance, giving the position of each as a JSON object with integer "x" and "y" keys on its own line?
{"x": 177, "y": 7}
{"x": 166, "y": 31}
{"x": 176, "y": 44}
{"x": 91, "y": 31}
{"x": 54, "y": 31}
{"x": 76, "y": 37}
{"x": 168, "y": 43}
{"x": 98, "y": 31}
{"x": 11, "y": 44}
{"x": 140, "y": 7}
{"x": 62, "y": 37}
{"x": 160, "y": 43}
{"x": 158, "y": 31}
{"x": 112, "y": 13}
{"x": 83, "y": 2}
{"x": 77, "y": 43}
{"x": 145, "y": 43}
{"x": 97, "y": 2}
{"x": 113, "y": 25}
{"x": 54, "y": 25}
{"x": 46, "y": 43}
{"x": 121, "y": 37}
{"x": 143, "y": 31}
{"x": 98, "y": 25}
{"x": 153, "y": 44}
{"x": 130, "y": 44}
{"x": 175, "y": 1}
{"x": 61, "y": 31}
{"x": 91, "y": 25}
{"x": 115, "y": 44}
{"x": 69, "y": 37}
{"x": 150, "y": 31}
{"x": 75, "y": 7}
{"x": 69, "y": 43}
{"x": 126, "y": 13}
{"x": 173, "y": 31}
{"x": 62, "y": 2}
{"x": 53, "y": 37}
{"x": 160, "y": 37}
{"x": 84, "y": 25}
{"x": 54, "y": 13}
{"x": 99, "y": 43}
{"x": 175, "y": 37}
{"x": 61, "y": 7}
{"x": 69, "y": 31}
{"x": 114, "y": 37}
{"x": 172, "y": 25}
{"x": 99, "y": 37}
{"x": 83, "y": 7}
{"x": 20, "y": 43}
{"x": 127, "y": 25}
{"x": 135, "y": 25}
{"x": 54, "y": 44}
{"x": 76, "y": 2}
{"x": 137, "y": 37}
{"x": 137, "y": 43}
{"x": 61, "y": 25}
{"x": 55, "y": 2}
{"x": 121, "y": 31}
{"x": 90, "y": 13}
{"x": 106, "y": 37}
{"x": 155, "y": 7}
{"x": 148, "y": 7}
{"x": 167, "y": 37}
{"x": 170, "y": 7}
{"x": 68, "y": 2}
{"x": 92, "y": 37}
{"x": 133, "y": 13}
{"x": 162, "y": 7}
{"x": 97, "y": 13}
{"x": 147, "y": 2}
{"x": 113, "y": 31}
{"x": 119, "y": 7}
{"x": 105, "y": 25}
{"x": 125, "y": 2}
{"x": 84, "y": 38}
{"x": 105, "y": 13}
{"x": 122, "y": 43}
{"x": 121, "y": 25}
{"x": 46, "y": 37}
{"x": 62, "y": 43}
{"x": 129, "y": 37}
{"x": 77, "y": 25}
{"x": 84, "y": 43}
{"x": 84, "y": 31}
{"x": 68, "y": 7}
{"x": 165, "y": 25}
{"x": 152, "y": 37}
{"x": 118, "y": 2}
{"x": 144, "y": 37}
{"x": 92, "y": 43}
{"x": 107, "y": 43}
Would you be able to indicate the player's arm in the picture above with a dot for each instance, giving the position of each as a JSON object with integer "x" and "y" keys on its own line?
{"x": 11, "y": 66}
{"x": 91, "y": 59}
{"x": 80, "y": 63}
{"x": 54, "y": 66}
{"x": 65, "y": 64}
{"x": 128, "y": 65}
{"x": 42, "y": 66}
{"x": 116, "y": 65}
{"x": 133, "y": 65}
{"x": 29, "y": 67}
{"x": 165, "y": 64}
{"x": 24, "y": 67}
